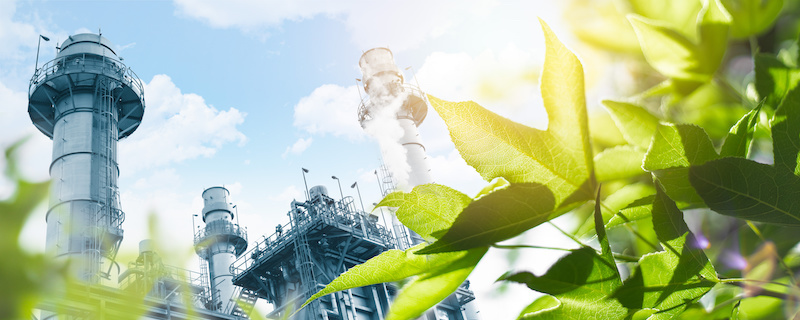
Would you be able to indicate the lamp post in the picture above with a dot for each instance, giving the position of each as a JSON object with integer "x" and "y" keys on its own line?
{"x": 308, "y": 197}
{"x": 340, "y": 186}
{"x": 37, "y": 51}
{"x": 355, "y": 185}
{"x": 380, "y": 186}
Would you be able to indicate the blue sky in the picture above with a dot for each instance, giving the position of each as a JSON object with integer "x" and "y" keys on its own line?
{"x": 245, "y": 93}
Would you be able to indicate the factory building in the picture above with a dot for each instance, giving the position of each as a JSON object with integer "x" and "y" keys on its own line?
{"x": 86, "y": 100}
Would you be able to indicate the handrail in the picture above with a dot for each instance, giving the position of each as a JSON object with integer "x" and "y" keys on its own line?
{"x": 342, "y": 213}
{"x": 79, "y": 61}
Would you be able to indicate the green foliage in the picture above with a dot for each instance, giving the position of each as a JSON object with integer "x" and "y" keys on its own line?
{"x": 652, "y": 167}
{"x": 673, "y": 150}
{"x": 686, "y": 56}
{"x": 670, "y": 280}
{"x": 636, "y": 124}
{"x": 752, "y": 17}
{"x": 549, "y": 171}
{"x": 581, "y": 283}
{"x": 25, "y": 276}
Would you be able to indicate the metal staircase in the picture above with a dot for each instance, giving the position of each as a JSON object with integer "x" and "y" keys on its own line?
{"x": 306, "y": 269}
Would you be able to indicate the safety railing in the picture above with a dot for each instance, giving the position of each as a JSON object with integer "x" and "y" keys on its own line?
{"x": 341, "y": 214}
{"x": 90, "y": 63}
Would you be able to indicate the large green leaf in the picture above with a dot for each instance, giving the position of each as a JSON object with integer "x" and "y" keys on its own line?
{"x": 556, "y": 164}
{"x": 619, "y": 162}
{"x": 438, "y": 276}
{"x": 580, "y": 282}
{"x": 737, "y": 143}
{"x": 774, "y": 79}
{"x": 636, "y": 124}
{"x": 674, "y": 149}
{"x": 786, "y": 132}
{"x": 748, "y": 190}
{"x": 427, "y": 208}
{"x": 752, "y": 17}
{"x": 670, "y": 280}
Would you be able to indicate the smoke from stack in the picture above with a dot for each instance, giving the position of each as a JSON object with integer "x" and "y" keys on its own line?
{"x": 385, "y": 128}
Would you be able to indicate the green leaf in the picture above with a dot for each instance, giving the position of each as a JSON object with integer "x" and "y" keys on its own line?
{"x": 737, "y": 143}
{"x": 680, "y": 15}
{"x": 438, "y": 276}
{"x": 497, "y": 216}
{"x": 774, "y": 79}
{"x": 752, "y": 17}
{"x": 557, "y": 163}
{"x": 713, "y": 29}
{"x": 748, "y": 190}
{"x": 674, "y": 149}
{"x": 786, "y": 132}
{"x": 636, "y": 124}
{"x": 428, "y": 208}
{"x": 620, "y": 162}
{"x": 640, "y": 209}
{"x": 679, "y": 145}
{"x": 680, "y": 55}
{"x": 430, "y": 288}
{"x": 670, "y": 280}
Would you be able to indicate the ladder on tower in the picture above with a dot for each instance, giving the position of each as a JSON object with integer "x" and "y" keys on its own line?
{"x": 305, "y": 267}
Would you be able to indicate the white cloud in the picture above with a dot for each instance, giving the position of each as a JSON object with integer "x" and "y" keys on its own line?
{"x": 330, "y": 109}
{"x": 298, "y": 147}
{"x": 177, "y": 127}
{"x": 370, "y": 23}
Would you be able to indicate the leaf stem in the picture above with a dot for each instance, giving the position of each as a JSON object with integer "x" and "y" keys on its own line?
{"x": 567, "y": 234}
{"x": 641, "y": 237}
{"x": 764, "y": 292}
{"x": 742, "y": 280}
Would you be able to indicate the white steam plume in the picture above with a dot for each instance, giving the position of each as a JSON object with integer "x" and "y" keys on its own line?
{"x": 385, "y": 128}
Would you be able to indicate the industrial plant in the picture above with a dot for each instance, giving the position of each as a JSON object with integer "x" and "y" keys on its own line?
{"x": 86, "y": 100}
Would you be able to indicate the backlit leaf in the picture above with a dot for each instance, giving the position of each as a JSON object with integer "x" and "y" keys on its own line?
{"x": 748, "y": 190}
{"x": 636, "y": 124}
{"x": 557, "y": 163}
{"x": 427, "y": 208}
{"x": 674, "y": 149}
{"x": 687, "y": 56}
{"x": 619, "y": 162}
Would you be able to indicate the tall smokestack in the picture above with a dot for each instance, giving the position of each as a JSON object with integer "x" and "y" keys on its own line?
{"x": 219, "y": 244}
{"x": 391, "y": 114}
{"x": 85, "y": 100}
